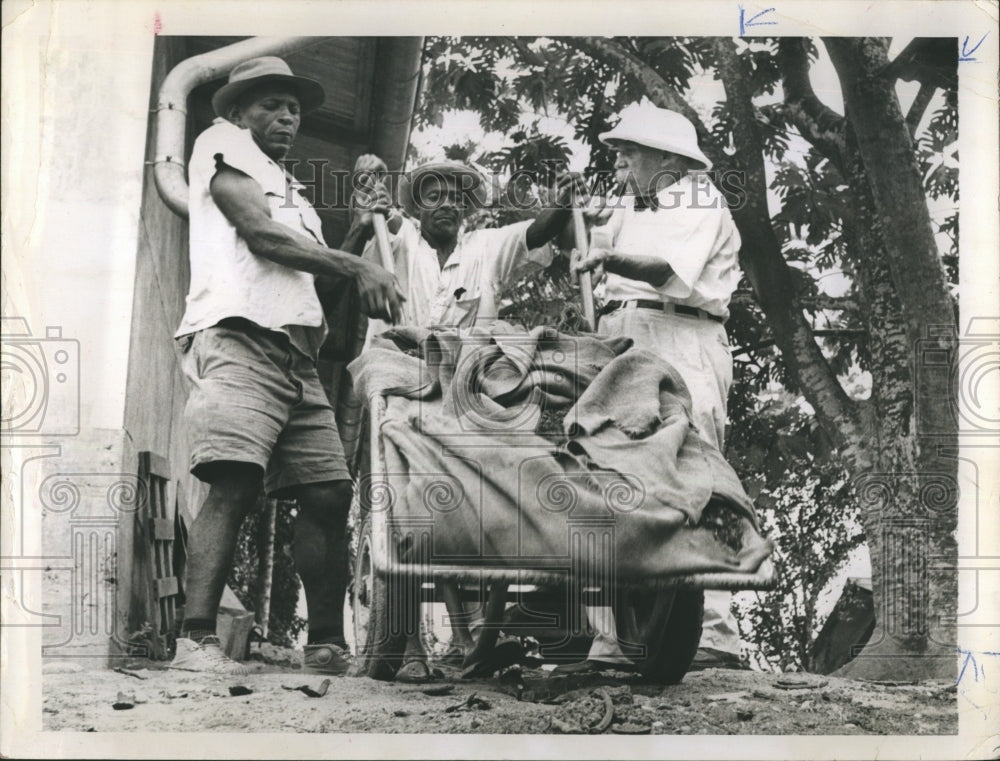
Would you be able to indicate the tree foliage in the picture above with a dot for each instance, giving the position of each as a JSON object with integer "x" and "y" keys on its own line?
{"x": 805, "y": 503}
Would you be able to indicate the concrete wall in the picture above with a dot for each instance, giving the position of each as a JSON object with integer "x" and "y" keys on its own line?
{"x": 72, "y": 184}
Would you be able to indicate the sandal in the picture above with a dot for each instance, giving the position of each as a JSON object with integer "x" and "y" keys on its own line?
{"x": 417, "y": 672}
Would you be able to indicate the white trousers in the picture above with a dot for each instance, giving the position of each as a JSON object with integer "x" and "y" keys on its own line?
{"x": 699, "y": 350}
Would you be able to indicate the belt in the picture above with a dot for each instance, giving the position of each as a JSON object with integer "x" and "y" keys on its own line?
{"x": 660, "y": 306}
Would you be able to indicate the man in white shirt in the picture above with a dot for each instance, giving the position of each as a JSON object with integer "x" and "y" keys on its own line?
{"x": 250, "y": 334}
{"x": 454, "y": 278}
{"x": 669, "y": 255}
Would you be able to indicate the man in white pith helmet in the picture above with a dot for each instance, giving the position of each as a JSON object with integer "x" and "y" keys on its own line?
{"x": 668, "y": 256}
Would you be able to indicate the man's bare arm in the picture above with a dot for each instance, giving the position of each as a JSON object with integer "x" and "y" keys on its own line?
{"x": 553, "y": 221}
{"x": 648, "y": 269}
{"x": 546, "y": 226}
{"x": 242, "y": 201}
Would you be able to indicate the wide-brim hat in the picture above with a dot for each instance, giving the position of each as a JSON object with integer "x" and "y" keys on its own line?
{"x": 659, "y": 128}
{"x": 466, "y": 178}
{"x": 265, "y": 70}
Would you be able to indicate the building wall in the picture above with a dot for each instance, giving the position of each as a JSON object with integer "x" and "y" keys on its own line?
{"x": 156, "y": 390}
{"x": 72, "y": 155}
{"x": 75, "y": 221}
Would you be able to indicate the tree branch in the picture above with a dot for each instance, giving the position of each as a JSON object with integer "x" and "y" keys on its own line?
{"x": 769, "y": 274}
{"x": 919, "y": 106}
{"x": 823, "y": 301}
{"x": 819, "y": 124}
{"x": 527, "y": 53}
{"x": 818, "y": 332}
{"x": 890, "y": 163}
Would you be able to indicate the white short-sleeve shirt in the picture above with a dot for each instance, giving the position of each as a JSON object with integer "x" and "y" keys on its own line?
{"x": 467, "y": 289}
{"x": 229, "y": 280}
{"x": 694, "y": 232}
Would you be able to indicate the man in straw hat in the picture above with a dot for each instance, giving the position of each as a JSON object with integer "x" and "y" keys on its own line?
{"x": 250, "y": 335}
{"x": 454, "y": 278}
{"x": 668, "y": 256}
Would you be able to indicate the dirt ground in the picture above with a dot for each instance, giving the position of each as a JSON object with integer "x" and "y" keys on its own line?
{"x": 520, "y": 701}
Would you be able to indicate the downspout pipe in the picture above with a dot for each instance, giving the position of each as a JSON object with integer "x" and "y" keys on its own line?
{"x": 397, "y": 88}
{"x": 171, "y": 107}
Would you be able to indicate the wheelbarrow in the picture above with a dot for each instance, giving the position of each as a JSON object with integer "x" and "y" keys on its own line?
{"x": 658, "y": 619}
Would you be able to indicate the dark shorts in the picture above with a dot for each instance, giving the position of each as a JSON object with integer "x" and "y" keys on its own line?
{"x": 256, "y": 399}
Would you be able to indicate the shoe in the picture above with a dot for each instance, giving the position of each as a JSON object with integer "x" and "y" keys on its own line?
{"x": 206, "y": 657}
{"x": 325, "y": 659}
{"x": 710, "y": 658}
{"x": 418, "y": 672}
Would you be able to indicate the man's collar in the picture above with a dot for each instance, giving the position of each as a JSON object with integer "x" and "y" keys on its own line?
{"x": 454, "y": 256}
{"x": 665, "y": 198}
{"x": 642, "y": 203}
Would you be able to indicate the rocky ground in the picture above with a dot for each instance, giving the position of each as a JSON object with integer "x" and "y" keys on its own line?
{"x": 146, "y": 697}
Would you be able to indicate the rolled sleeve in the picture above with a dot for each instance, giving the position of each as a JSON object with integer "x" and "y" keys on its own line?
{"x": 229, "y": 145}
{"x": 700, "y": 235}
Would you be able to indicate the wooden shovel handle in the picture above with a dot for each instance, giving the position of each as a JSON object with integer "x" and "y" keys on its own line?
{"x": 585, "y": 283}
{"x": 382, "y": 242}
{"x": 371, "y": 165}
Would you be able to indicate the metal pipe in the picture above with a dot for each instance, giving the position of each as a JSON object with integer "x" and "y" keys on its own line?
{"x": 171, "y": 106}
{"x": 397, "y": 85}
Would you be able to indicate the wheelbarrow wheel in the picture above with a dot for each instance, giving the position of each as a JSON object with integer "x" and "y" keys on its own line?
{"x": 661, "y": 628}
{"x": 379, "y": 651}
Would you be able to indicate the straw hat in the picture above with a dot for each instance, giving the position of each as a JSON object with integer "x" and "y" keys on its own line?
{"x": 264, "y": 70}
{"x": 466, "y": 178}
{"x": 659, "y": 128}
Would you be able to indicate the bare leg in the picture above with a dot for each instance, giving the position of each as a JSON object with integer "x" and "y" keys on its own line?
{"x": 235, "y": 487}
{"x": 321, "y": 556}
{"x": 414, "y": 650}
{"x": 414, "y": 668}
{"x": 496, "y": 604}
{"x": 457, "y": 616}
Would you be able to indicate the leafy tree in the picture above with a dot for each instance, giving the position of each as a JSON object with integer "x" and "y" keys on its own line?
{"x": 857, "y": 203}
{"x": 805, "y": 502}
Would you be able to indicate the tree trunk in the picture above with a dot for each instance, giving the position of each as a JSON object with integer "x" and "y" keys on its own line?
{"x": 887, "y": 150}
{"x": 909, "y": 523}
{"x": 909, "y": 499}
